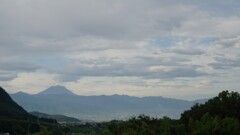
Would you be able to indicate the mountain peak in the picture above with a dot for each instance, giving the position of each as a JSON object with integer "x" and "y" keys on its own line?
{"x": 56, "y": 90}
{"x": 21, "y": 93}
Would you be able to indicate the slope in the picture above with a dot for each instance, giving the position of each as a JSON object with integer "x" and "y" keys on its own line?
{"x": 59, "y": 118}
{"x": 15, "y": 120}
{"x": 9, "y": 109}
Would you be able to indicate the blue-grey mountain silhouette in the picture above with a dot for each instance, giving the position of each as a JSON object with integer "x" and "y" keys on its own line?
{"x": 60, "y": 100}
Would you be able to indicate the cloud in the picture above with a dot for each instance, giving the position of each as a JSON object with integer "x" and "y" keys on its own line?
{"x": 149, "y": 40}
{"x": 225, "y": 63}
{"x": 10, "y": 68}
{"x": 145, "y": 68}
{"x": 19, "y": 66}
{"x": 229, "y": 42}
{"x": 7, "y": 76}
{"x": 187, "y": 51}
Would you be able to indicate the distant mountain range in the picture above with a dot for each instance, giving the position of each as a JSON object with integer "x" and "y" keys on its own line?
{"x": 60, "y": 100}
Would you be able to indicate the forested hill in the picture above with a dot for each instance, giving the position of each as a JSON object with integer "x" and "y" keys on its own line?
{"x": 218, "y": 116}
{"x": 226, "y": 104}
{"x": 59, "y": 118}
{"x": 10, "y": 109}
{"x": 15, "y": 120}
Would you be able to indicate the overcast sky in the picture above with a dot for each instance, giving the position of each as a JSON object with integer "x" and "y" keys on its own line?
{"x": 185, "y": 49}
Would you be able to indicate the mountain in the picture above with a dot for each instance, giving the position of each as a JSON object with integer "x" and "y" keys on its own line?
{"x": 100, "y": 108}
{"x": 59, "y": 118}
{"x": 56, "y": 90}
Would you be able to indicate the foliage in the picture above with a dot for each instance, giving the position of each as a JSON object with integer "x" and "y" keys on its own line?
{"x": 226, "y": 104}
{"x": 88, "y": 128}
{"x": 218, "y": 116}
{"x": 145, "y": 125}
{"x": 208, "y": 125}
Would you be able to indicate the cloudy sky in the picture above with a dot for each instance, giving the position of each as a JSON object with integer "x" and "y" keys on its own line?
{"x": 184, "y": 49}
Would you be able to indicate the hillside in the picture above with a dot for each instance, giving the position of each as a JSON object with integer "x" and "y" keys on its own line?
{"x": 13, "y": 116}
{"x": 59, "y": 118}
{"x": 226, "y": 104}
{"x": 15, "y": 120}
{"x": 10, "y": 109}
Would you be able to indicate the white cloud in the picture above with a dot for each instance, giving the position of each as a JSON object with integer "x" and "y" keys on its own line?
{"x": 30, "y": 82}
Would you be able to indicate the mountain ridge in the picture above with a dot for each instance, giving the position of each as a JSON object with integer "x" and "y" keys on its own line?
{"x": 54, "y": 90}
{"x": 102, "y": 108}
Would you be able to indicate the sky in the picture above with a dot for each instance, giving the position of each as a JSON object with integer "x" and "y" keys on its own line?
{"x": 186, "y": 49}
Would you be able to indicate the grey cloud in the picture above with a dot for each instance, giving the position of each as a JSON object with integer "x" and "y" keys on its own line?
{"x": 7, "y": 76}
{"x": 135, "y": 69}
{"x": 229, "y": 42}
{"x": 70, "y": 28}
{"x": 9, "y": 69}
{"x": 225, "y": 63}
{"x": 216, "y": 7}
{"x": 187, "y": 51}
{"x": 19, "y": 66}
{"x": 180, "y": 72}
{"x": 60, "y": 26}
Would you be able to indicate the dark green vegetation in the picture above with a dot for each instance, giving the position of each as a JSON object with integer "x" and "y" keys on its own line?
{"x": 87, "y": 129}
{"x": 218, "y": 116}
{"x": 15, "y": 120}
{"x": 59, "y": 118}
{"x": 9, "y": 109}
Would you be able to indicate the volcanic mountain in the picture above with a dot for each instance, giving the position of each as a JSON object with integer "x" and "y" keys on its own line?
{"x": 56, "y": 90}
